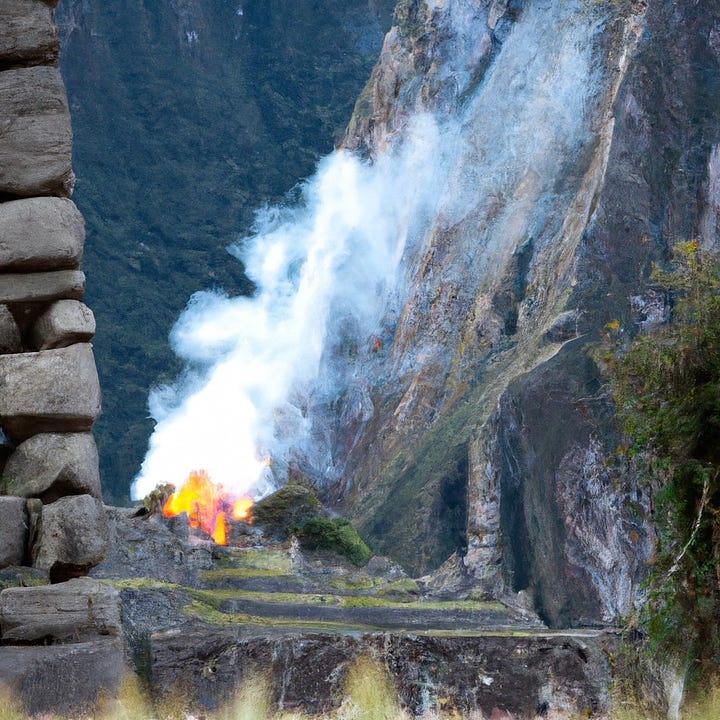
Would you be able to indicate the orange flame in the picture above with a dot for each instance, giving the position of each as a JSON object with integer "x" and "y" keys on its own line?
{"x": 206, "y": 505}
{"x": 242, "y": 507}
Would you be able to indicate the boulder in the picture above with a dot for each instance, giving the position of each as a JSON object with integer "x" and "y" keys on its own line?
{"x": 9, "y": 332}
{"x": 44, "y": 233}
{"x": 37, "y": 287}
{"x": 48, "y": 391}
{"x": 13, "y": 531}
{"x": 52, "y": 465}
{"x": 65, "y": 323}
{"x": 72, "y": 536}
{"x": 35, "y": 134}
{"x": 29, "y": 35}
{"x": 67, "y": 680}
{"x": 79, "y": 609}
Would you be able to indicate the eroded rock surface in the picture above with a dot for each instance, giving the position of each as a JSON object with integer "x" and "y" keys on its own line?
{"x": 13, "y": 531}
{"x": 29, "y": 35}
{"x": 73, "y": 611}
{"x": 9, "y": 332}
{"x": 48, "y": 391}
{"x": 41, "y": 286}
{"x": 72, "y": 537}
{"x": 69, "y": 679}
{"x": 66, "y": 322}
{"x": 489, "y": 424}
{"x": 43, "y": 233}
{"x": 51, "y": 465}
{"x": 36, "y": 139}
{"x": 501, "y": 676}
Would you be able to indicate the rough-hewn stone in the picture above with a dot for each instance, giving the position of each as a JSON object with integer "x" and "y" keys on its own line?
{"x": 79, "y": 609}
{"x": 42, "y": 286}
{"x": 29, "y": 35}
{"x": 35, "y": 134}
{"x": 66, "y": 322}
{"x": 51, "y": 465}
{"x": 502, "y": 677}
{"x": 44, "y": 233}
{"x": 13, "y": 531}
{"x": 63, "y": 679}
{"x": 9, "y": 332}
{"x": 48, "y": 391}
{"x": 72, "y": 537}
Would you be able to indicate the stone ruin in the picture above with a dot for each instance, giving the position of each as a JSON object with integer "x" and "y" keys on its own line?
{"x": 59, "y": 630}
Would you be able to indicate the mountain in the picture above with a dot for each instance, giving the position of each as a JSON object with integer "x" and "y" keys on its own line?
{"x": 585, "y": 144}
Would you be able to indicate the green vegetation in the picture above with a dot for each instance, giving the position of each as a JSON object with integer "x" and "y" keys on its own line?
{"x": 296, "y": 510}
{"x": 265, "y": 561}
{"x": 667, "y": 389}
{"x": 337, "y": 535}
{"x": 286, "y": 509}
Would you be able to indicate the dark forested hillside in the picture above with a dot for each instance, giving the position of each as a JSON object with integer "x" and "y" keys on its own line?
{"x": 187, "y": 116}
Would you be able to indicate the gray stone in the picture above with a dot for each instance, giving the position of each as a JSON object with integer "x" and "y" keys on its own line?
{"x": 44, "y": 233}
{"x": 13, "y": 531}
{"x": 146, "y": 547}
{"x": 35, "y": 134}
{"x": 79, "y": 609}
{"x": 53, "y": 465}
{"x": 72, "y": 537}
{"x": 29, "y": 34}
{"x": 486, "y": 676}
{"x": 68, "y": 680}
{"x": 66, "y": 322}
{"x": 48, "y": 391}
{"x": 9, "y": 332}
{"x": 37, "y": 287}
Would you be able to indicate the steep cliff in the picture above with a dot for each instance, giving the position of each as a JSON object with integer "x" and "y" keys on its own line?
{"x": 588, "y": 145}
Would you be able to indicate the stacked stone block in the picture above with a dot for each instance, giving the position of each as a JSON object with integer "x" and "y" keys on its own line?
{"x": 53, "y": 526}
{"x": 49, "y": 391}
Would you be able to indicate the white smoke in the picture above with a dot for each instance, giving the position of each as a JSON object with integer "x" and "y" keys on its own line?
{"x": 328, "y": 270}
{"x": 252, "y": 362}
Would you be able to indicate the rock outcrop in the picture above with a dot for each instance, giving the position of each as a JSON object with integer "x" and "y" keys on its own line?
{"x": 60, "y": 646}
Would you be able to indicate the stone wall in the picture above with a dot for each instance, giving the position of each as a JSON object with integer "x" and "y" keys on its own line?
{"x": 50, "y": 509}
{"x": 53, "y": 527}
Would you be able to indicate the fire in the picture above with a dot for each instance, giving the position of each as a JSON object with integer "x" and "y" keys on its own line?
{"x": 207, "y": 505}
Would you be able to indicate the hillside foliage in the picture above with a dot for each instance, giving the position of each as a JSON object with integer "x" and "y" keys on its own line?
{"x": 667, "y": 389}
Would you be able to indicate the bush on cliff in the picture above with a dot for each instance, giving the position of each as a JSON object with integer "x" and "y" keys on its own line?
{"x": 667, "y": 389}
{"x": 337, "y": 535}
{"x": 296, "y": 510}
{"x": 277, "y": 515}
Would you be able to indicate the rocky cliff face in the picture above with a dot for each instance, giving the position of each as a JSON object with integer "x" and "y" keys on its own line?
{"x": 588, "y": 145}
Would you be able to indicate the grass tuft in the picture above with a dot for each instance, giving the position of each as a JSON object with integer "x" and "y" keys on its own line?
{"x": 369, "y": 694}
{"x": 252, "y": 702}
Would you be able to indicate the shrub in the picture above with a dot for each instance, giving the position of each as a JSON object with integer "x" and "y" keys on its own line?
{"x": 337, "y": 535}
{"x": 278, "y": 514}
{"x": 667, "y": 390}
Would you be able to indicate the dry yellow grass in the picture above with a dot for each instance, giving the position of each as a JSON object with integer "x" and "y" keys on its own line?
{"x": 369, "y": 695}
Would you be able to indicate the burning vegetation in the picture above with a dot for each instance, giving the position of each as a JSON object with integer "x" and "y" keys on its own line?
{"x": 208, "y": 505}
{"x": 293, "y": 510}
